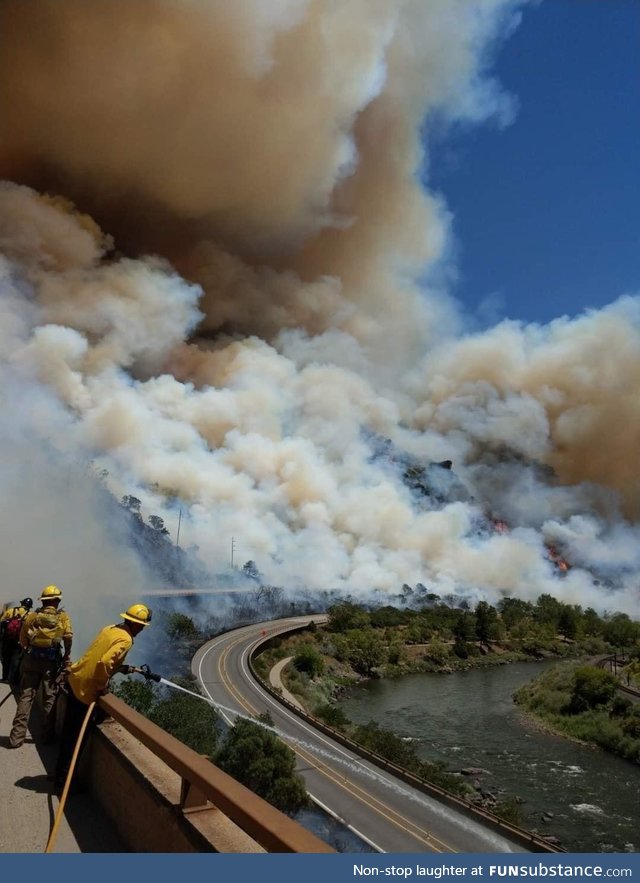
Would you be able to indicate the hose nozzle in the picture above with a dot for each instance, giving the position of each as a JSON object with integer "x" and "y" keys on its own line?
{"x": 148, "y": 674}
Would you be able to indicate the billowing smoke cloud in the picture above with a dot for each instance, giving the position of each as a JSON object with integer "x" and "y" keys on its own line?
{"x": 58, "y": 524}
{"x": 269, "y": 149}
{"x": 272, "y": 153}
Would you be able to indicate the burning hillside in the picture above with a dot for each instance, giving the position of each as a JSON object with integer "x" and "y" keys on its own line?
{"x": 246, "y": 302}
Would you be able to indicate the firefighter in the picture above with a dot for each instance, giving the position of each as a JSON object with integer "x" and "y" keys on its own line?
{"x": 88, "y": 678}
{"x": 10, "y": 626}
{"x": 41, "y": 636}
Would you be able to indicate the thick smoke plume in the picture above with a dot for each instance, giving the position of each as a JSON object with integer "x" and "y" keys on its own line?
{"x": 294, "y": 314}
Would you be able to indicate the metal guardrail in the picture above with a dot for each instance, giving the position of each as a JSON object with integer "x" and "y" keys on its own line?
{"x": 521, "y": 835}
{"x": 202, "y": 781}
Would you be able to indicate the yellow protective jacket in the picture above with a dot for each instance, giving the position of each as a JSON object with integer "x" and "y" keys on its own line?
{"x": 89, "y": 676}
{"x": 8, "y": 614}
{"x": 63, "y": 628}
{"x": 13, "y": 611}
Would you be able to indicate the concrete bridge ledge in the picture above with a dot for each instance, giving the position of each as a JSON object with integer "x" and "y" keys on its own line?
{"x": 141, "y": 797}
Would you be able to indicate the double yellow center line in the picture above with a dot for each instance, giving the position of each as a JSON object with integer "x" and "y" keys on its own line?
{"x": 433, "y": 843}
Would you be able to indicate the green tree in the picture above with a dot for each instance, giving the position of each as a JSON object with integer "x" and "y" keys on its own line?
{"x": 620, "y": 706}
{"x": 251, "y": 571}
{"x": 592, "y": 624}
{"x": 180, "y": 627}
{"x": 419, "y": 630}
{"x": 332, "y": 715}
{"x": 309, "y": 660}
{"x": 366, "y": 650}
{"x": 131, "y": 503}
{"x": 485, "y": 621}
{"x": 463, "y": 627}
{"x": 387, "y": 744}
{"x": 190, "y": 720}
{"x": 385, "y": 617}
{"x": 514, "y": 611}
{"x": 157, "y": 523}
{"x": 631, "y": 726}
{"x": 568, "y": 621}
{"x": 592, "y": 688}
{"x": 140, "y": 695}
{"x": 256, "y": 757}
{"x": 396, "y": 653}
{"x": 346, "y": 616}
{"x": 621, "y": 631}
{"x": 437, "y": 651}
{"x": 547, "y": 611}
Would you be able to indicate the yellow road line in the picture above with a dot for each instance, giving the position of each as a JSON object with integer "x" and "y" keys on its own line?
{"x": 377, "y": 805}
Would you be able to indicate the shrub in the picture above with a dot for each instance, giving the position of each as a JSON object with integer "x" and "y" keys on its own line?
{"x": 620, "y": 706}
{"x": 140, "y": 695}
{"x": 592, "y": 688}
{"x": 256, "y": 757}
{"x": 631, "y": 724}
{"x": 387, "y": 744}
{"x": 180, "y": 627}
{"x": 332, "y": 715}
{"x": 437, "y": 652}
{"x": 190, "y": 720}
{"x": 346, "y": 616}
{"x": 509, "y": 810}
{"x": 309, "y": 660}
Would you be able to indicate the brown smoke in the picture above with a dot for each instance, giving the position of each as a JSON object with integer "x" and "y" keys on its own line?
{"x": 262, "y": 147}
{"x": 272, "y": 151}
{"x": 566, "y": 394}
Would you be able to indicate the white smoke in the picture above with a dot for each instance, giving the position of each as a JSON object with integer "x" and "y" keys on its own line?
{"x": 57, "y": 523}
{"x": 273, "y": 153}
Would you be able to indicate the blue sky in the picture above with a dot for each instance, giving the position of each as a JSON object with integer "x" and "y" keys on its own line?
{"x": 547, "y": 210}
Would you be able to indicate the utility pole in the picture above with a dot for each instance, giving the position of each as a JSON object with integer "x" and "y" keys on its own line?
{"x": 233, "y": 548}
{"x": 179, "y": 521}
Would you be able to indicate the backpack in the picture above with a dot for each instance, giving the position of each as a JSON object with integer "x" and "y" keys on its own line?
{"x": 13, "y": 625}
{"x": 45, "y": 629}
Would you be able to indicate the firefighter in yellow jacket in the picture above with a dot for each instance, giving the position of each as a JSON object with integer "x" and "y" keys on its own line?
{"x": 42, "y": 635}
{"x": 89, "y": 677}
{"x": 10, "y": 628}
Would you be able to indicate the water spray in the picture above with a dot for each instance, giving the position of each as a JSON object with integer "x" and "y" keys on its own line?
{"x": 372, "y": 774}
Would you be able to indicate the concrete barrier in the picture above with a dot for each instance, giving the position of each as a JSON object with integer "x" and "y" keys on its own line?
{"x": 141, "y": 796}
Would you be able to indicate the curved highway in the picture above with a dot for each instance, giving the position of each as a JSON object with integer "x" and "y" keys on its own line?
{"x": 385, "y": 812}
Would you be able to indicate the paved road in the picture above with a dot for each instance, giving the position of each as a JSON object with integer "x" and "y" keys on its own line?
{"x": 385, "y": 812}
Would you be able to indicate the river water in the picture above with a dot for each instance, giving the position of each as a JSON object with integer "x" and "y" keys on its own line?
{"x": 469, "y": 719}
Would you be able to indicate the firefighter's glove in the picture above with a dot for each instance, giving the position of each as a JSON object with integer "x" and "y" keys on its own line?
{"x": 148, "y": 674}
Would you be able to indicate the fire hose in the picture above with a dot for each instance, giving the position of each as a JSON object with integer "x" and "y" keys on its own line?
{"x": 9, "y": 694}
{"x": 65, "y": 790}
{"x": 146, "y": 672}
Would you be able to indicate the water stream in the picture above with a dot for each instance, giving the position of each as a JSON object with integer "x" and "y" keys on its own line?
{"x": 468, "y": 719}
{"x": 345, "y": 762}
{"x": 316, "y": 820}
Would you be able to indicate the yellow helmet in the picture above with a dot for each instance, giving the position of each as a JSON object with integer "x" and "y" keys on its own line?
{"x": 50, "y": 593}
{"x": 138, "y": 613}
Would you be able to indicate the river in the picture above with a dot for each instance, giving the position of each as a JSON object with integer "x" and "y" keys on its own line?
{"x": 469, "y": 719}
